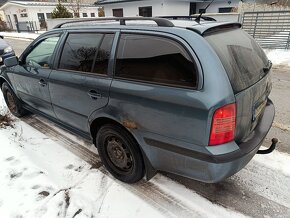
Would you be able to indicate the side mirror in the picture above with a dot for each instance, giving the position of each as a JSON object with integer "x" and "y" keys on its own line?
{"x": 2, "y": 37}
{"x": 11, "y": 61}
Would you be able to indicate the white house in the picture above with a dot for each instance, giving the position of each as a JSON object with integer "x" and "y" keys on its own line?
{"x": 149, "y": 8}
{"x": 32, "y": 15}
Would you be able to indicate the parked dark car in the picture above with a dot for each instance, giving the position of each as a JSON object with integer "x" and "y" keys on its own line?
{"x": 181, "y": 96}
{"x": 5, "y": 50}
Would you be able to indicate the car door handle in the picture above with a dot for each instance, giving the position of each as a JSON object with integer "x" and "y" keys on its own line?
{"x": 94, "y": 94}
{"x": 42, "y": 82}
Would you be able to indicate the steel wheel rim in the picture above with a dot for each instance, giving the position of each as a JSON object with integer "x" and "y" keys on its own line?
{"x": 11, "y": 102}
{"x": 119, "y": 155}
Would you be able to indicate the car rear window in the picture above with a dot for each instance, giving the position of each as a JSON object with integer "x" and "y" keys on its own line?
{"x": 241, "y": 56}
{"x": 155, "y": 59}
{"x": 87, "y": 52}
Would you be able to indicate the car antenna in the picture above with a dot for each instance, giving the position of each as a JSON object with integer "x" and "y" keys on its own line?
{"x": 199, "y": 16}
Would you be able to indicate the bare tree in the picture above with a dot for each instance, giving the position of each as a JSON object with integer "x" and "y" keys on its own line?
{"x": 75, "y": 6}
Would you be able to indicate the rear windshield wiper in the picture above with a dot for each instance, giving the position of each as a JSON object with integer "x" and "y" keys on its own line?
{"x": 268, "y": 67}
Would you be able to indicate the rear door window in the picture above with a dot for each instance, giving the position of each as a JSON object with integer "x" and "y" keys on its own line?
{"x": 87, "y": 52}
{"x": 241, "y": 56}
{"x": 155, "y": 59}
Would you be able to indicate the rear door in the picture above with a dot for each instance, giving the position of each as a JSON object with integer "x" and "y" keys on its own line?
{"x": 31, "y": 75}
{"x": 155, "y": 87}
{"x": 80, "y": 83}
{"x": 248, "y": 70}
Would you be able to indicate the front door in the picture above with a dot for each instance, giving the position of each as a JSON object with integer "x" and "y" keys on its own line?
{"x": 80, "y": 85}
{"x": 32, "y": 73}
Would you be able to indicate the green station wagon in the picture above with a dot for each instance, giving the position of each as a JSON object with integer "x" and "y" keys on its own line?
{"x": 153, "y": 94}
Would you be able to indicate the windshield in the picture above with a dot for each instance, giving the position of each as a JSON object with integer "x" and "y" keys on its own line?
{"x": 241, "y": 56}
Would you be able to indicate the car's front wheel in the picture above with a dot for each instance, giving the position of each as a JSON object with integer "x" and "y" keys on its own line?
{"x": 12, "y": 101}
{"x": 120, "y": 153}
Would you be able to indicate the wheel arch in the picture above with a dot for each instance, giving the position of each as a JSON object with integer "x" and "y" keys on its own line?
{"x": 2, "y": 80}
{"x": 97, "y": 123}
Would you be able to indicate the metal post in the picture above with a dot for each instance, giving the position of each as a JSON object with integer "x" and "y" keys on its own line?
{"x": 288, "y": 42}
{"x": 254, "y": 33}
{"x": 31, "y": 26}
{"x": 17, "y": 27}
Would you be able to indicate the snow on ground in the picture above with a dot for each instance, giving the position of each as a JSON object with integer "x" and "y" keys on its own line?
{"x": 278, "y": 56}
{"x": 40, "y": 178}
{"x": 23, "y": 35}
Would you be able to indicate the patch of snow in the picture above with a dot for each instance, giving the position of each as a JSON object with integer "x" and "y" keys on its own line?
{"x": 23, "y": 35}
{"x": 40, "y": 178}
{"x": 278, "y": 56}
{"x": 268, "y": 176}
{"x": 186, "y": 196}
{"x": 281, "y": 126}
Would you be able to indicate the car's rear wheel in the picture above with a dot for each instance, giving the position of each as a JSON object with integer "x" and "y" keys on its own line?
{"x": 12, "y": 101}
{"x": 120, "y": 153}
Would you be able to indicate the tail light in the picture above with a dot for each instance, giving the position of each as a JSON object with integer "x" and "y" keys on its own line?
{"x": 223, "y": 125}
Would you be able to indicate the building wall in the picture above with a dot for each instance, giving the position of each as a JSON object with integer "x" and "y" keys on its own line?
{"x": 159, "y": 8}
{"x": 132, "y": 8}
{"x": 15, "y": 10}
{"x": 214, "y": 7}
{"x": 177, "y": 8}
{"x": 169, "y": 7}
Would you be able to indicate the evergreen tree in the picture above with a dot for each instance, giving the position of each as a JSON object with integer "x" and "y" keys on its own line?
{"x": 60, "y": 11}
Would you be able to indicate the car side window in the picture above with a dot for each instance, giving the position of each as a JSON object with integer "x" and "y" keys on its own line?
{"x": 155, "y": 59}
{"x": 41, "y": 55}
{"x": 87, "y": 52}
{"x": 102, "y": 58}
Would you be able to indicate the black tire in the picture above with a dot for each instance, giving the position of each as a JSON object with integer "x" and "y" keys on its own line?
{"x": 12, "y": 101}
{"x": 120, "y": 153}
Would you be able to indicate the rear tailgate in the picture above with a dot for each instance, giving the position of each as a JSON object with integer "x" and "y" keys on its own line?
{"x": 248, "y": 70}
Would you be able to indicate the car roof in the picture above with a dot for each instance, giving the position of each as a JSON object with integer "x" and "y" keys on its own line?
{"x": 201, "y": 28}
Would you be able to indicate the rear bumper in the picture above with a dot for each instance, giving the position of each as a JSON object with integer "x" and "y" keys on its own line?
{"x": 213, "y": 168}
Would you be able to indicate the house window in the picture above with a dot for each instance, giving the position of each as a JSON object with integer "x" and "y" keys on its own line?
{"x": 48, "y": 15}
{"x": 202, "y": 10}
{"x": 85, "y": 14}
{"x": 118, "y": 12}
{"x": 23, "y": 15}
{"x": 192, "y": 8}
{"x": 225, "y": 10}
{"x": 145, "y": 11}
{"x": 92, "y": 14}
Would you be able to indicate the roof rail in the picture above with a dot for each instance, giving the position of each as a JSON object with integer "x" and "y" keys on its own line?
{"x": 193, "y": 17}
{"x": 162, "y": 22}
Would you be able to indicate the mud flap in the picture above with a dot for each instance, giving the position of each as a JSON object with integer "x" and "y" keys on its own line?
{"x": 149, "y": 169}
